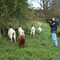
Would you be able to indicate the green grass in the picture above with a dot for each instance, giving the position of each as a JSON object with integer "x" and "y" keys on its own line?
{"x": 39, "y": 47}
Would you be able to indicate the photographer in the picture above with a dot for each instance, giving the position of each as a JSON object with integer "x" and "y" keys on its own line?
{"x": 53, "y": 24}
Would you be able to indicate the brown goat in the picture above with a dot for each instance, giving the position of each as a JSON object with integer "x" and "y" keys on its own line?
{"x": 58, "y": 33}
{"x": 21, "y": 40}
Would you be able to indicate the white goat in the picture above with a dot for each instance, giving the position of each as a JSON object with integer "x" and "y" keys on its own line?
{"x": 21, "y": 31}
{"x": 39, "y": 30}
{"x": 12, "y": 34}
{"x": 32, "y": 31}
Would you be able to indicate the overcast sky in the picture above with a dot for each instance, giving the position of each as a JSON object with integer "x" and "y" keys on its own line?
{"x": 35, "y": 4}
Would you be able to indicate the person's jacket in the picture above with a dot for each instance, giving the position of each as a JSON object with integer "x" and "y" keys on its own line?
{"x": 53, "y": 26}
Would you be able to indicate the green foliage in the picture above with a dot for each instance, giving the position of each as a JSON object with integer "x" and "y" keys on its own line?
{"x": 13, "y": 11}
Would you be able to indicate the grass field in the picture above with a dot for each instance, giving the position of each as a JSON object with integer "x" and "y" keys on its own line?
{"x": 39, "y": 47}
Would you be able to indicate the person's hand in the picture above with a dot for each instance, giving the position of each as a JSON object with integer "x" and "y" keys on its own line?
{"x": 50, "y": 21}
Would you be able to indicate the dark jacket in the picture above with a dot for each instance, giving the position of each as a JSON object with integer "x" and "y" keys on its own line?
{"x": 53, "y": 26}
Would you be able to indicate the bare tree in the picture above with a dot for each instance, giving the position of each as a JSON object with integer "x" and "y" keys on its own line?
{"x": 56, "y": 3}
{"x": 45, "y": 5}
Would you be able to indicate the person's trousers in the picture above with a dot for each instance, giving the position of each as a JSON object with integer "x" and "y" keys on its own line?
{"x": 54, "y": 38}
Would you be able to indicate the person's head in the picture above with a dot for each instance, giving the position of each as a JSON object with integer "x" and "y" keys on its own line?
{"x": 54, "y": 19}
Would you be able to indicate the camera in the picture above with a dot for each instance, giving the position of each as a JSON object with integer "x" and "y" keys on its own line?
{"x": 48, "y": 20}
